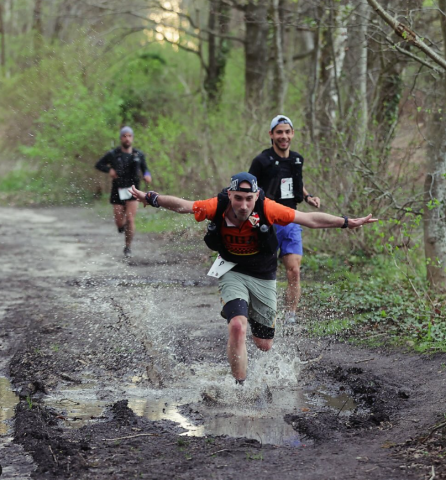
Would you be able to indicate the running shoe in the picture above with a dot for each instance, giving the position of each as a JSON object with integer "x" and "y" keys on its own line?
{"x": 127, "y": 252}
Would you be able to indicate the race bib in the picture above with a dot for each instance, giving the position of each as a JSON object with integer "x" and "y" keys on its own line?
{"x": 220, "y": 267}
{"x": 124, "y": 193}
{"x": 286, "y": 188}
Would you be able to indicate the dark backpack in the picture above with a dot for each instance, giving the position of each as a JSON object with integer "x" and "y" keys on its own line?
{"x": 135, "y": 167}
{"x": 272, "y": 172}
{"x": 266, "y": 233}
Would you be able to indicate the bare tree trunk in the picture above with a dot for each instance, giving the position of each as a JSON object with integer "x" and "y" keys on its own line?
{"x": 256, "y": 52}
{"x": 385, "y": 105}
{"x": 435, "y": 187}
{"x": 332, "y": 59}
{"x": 279, "y": 84}
{"x": 218, "y": 25}
{"x": 58, "y": 24}
{"x": 357, "y": 76}
{"x": 3, "y": 40}
{"x": 316, "y": 73}
{"x": 37, "y": 27}
{"x": 435, "y": 211}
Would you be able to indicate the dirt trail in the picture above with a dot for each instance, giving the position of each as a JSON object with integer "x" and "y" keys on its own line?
{"x": 113, "y": 361}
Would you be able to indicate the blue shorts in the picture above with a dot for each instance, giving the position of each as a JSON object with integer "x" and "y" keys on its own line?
{"x": 290, "y": 239}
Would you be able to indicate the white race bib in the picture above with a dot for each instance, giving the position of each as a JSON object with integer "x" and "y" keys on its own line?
{"x": 124, "y": 193}
{"x": 220, "y": 267}
{"x": 286, "y": 188}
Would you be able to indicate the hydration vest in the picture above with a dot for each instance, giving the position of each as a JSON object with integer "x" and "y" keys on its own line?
{"x": 268, "y": 243}
{"x": 271, "y": 166}
{"x": 129, "y": 174}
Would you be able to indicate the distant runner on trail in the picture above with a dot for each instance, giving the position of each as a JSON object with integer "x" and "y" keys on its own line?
{"x": 124, "y": 165}
{"x": 279, "y": 173}
{"x": 241, "y": 231}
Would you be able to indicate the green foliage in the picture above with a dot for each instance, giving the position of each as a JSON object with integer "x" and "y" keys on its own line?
{"x": 372, "y": 297}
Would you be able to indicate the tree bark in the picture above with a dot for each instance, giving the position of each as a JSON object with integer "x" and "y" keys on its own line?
{"x": 37, "y": 27}
{"x": 357, "y": 76}
{"x": 218, "y": 47}
{"x": 3, "y": 40}
{"x": 279, "y": 83}
{"x": 434, "y": 217}
{"x": 256, "y": 52}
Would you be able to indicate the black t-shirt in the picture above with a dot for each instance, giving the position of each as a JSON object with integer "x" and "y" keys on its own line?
{"x": 127, "y": 166}
{"x": 262, "y": 168}
{"x": 261, "y": 265}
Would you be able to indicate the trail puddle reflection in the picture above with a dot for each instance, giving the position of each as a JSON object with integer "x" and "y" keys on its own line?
{"x": 254, "y": 413}
{"x": 8, "y": 401}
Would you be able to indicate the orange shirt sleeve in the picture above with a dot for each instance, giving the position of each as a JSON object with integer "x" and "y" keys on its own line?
{"x": 277, "y": 213}
{"x": 205, "y": 209}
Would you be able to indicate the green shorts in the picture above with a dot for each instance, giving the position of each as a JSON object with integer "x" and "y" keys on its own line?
{"x": 259, "y": 294}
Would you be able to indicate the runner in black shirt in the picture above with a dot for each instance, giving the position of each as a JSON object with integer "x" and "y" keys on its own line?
{"x": 279, "y": 173}
{"x": 124, "y": 165}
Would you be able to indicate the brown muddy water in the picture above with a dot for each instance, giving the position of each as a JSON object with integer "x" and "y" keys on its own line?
{"x": 253, "y": 412}
{"x": 8, "y": 401}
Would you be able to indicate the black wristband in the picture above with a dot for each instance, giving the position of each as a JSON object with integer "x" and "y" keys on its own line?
{"x": 152, "y": 199}
{"x": 306, "y": 196}
{"x": 345, "y": 222}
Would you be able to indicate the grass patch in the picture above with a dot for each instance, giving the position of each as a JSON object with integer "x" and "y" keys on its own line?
{"x": 330, "y": 327}
{"x": 372, "y": 301}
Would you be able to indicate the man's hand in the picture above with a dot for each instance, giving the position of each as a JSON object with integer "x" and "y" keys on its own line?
{"x": 112, "y": 173}
{"x": 138, "y": 194}
{"x": 359, "y": 222}
{"x": 314, "y": 201}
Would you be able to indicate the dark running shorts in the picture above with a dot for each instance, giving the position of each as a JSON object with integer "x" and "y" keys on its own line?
{"x": 240, "y": 307}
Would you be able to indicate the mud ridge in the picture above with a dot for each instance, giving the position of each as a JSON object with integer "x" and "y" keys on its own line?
{"x": 376, "y": 402}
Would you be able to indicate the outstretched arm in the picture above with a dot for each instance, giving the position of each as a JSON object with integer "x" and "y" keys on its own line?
{"x": 169, "y": 202}
{"x": 325, "y": 220}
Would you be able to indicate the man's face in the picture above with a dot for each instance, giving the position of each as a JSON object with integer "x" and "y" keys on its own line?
{"x": 126, "y": 140}
{"x": 243, "y": 202}
{"x": 282, "y": 136}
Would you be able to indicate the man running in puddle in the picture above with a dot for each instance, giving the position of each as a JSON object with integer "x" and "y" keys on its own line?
{"x": 242, "y": 232}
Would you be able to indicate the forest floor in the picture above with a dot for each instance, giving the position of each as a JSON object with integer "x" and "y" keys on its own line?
{"x": 113, "y": 368}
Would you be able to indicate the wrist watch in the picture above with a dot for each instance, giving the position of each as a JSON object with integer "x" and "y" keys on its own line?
{"x": 345, "y": 222}
{"x": 306, "y": 196}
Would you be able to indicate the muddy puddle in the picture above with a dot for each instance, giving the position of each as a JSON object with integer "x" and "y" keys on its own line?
{"x": 207, "y": 409}
{"x": 8, "y": 401}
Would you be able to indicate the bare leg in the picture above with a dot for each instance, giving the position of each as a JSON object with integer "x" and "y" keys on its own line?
{"x": 292, "y": 263}
{"x": 130, "y": 213}
{"x": 119, "y": 214}
{"x": 237, "y": 356}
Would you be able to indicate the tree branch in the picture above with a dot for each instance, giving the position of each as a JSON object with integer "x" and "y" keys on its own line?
{"x": 205, "y": 30}
{"x": 411, "y": 55}
{"x": 407, "y": 34}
